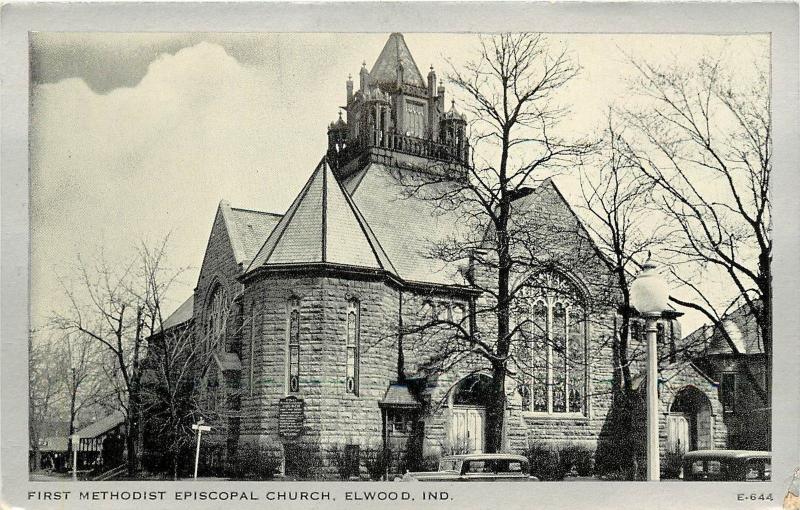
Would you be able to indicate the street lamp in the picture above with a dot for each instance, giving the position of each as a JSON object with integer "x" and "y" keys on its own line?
{"x": 649, "y": 295}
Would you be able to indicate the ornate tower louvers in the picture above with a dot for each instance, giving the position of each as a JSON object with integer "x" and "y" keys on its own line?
{"x": 396, "y": 111}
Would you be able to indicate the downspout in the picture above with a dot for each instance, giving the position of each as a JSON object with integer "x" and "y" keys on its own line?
{"x": 401, "y": 377}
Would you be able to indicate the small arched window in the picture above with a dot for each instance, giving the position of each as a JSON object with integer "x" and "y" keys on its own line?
{"x": 352, "y": 346}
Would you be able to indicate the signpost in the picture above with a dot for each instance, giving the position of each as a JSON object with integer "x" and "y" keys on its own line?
{"x": 200, "y": 428}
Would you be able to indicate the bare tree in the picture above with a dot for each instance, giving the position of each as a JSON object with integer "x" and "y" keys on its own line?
{"x": 617, "y": 200}
{"x": 45, "y": 388}
{"x": 84, "y": 385}
{"x": 703, "y": 140}
{"x": 118, "y": 307}
{"x": 170, "y": 391}
{"x": 510, "y": 88}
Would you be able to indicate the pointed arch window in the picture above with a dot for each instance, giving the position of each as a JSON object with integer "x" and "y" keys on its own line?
{"x": 293, "y": 362}
{"x": 551, "y": 351}
{"x": 352, "y": 346}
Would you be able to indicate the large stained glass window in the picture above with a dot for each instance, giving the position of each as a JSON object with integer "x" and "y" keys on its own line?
{"x": 551, "y": 353}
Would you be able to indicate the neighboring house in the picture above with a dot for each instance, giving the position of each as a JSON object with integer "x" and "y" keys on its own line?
{"x": 745, "y": 415}
{"x": 100, "y": 445}
{"x": 310, "y": 304}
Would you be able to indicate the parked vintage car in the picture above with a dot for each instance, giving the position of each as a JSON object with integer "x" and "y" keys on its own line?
{"x": 478, "y": 467}
{"x": 727, "y": 465}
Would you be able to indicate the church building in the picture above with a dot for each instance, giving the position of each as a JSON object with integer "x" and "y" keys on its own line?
{"x": 310, "y": 315}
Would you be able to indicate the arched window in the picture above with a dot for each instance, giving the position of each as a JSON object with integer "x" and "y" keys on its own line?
{"x": 352, "y": 346}
{"x": 293, "y": 365}
{"x": 216, "y": 316}
{"x": 551, "y": 353}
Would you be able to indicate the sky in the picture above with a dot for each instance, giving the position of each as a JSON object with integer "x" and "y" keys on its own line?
{"x": 136, "y": 136}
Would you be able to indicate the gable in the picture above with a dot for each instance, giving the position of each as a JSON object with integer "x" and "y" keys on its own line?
{"x": 219, "y": 255}
{"x": 547, "y": 222}
{"x": 323, "y": 225}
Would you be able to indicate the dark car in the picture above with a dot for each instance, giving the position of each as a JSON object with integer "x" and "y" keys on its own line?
{"x": 478, "y": 467}
{"x": 727, "y": 465}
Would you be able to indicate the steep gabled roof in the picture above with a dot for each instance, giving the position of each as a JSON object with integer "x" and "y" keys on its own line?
{"x": 407, "y": 226}
{"x": 323, "y": 225}
{"x": 395, "y": 54}
{"x": 249, "y": 230}
{"x": 181, "y": 315}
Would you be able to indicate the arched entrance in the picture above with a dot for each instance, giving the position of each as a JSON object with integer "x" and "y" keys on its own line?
{"x": 466, "y": 431}
{"x": 689, "y": 423}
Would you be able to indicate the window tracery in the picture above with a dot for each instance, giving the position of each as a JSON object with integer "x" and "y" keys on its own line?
{"x": 551, "y": 348}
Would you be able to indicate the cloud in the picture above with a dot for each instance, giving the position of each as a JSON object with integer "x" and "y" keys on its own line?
{"x": 136, "y": 135}
{"x": 108, "y": 170}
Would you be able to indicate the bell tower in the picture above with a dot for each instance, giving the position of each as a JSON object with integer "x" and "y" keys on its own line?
{"x": 397, "y": 115}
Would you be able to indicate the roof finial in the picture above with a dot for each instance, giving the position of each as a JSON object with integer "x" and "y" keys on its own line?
{"x": 363, "y": 63}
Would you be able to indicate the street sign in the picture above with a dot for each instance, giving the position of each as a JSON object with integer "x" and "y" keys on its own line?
{"x": 200, "y": 428}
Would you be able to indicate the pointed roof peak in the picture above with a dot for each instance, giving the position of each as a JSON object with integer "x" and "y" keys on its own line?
{"x": 394, "y": 57}
{"x": 323, "y": 225}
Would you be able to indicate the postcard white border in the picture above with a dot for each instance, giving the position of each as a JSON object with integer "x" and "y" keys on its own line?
{"x": 778, "y": 19}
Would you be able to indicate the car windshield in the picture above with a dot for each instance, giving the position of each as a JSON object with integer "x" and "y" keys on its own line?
{"x": 449, "y": 465}
{"x": 758, "y": 470}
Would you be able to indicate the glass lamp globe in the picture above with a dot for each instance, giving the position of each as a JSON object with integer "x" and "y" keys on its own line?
{"x": 649, "y": 292}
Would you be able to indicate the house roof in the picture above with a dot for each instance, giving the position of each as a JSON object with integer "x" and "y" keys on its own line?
{"x": 323, "y": 225}
{"x": 395, "y": 54}
{"x": 181, "y": 315}
{"x": 741, "y": 326}
{"x": 101, "y": 426}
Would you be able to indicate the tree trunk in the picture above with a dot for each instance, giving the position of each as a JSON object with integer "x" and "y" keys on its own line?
{"x": 765, "y": 326}
{"x": 132, "y": 434}
{"x": 139, "y": 436}
{"x": 495, "y": 410}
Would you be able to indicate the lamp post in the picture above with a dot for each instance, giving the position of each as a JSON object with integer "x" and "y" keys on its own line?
{"x": 649, "y": 295}
{"x": 75, "y": 442}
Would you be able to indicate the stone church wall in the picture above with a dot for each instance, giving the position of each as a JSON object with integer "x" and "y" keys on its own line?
{"x": 219, "y": 268}
{"x": 332, "y": 416}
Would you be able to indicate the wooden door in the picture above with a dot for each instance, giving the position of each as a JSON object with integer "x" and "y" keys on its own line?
{"x": 678, "y": 437}
{"x": 467, "y": 428}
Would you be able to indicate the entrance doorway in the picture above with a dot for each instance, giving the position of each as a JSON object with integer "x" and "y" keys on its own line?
{"x": 689, "y": 424}
{"x": 466, "y": 428}
{"x": 678, "y": 437}
{"x": 467, "y": 424}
